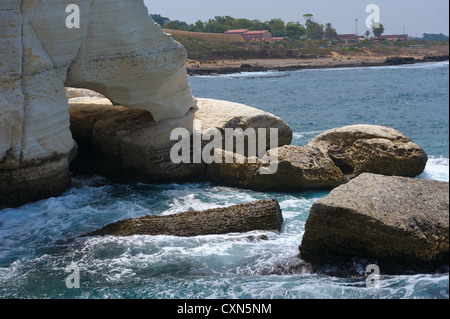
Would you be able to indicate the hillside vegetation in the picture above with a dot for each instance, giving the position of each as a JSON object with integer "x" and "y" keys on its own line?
{"x": 208, "y": 47}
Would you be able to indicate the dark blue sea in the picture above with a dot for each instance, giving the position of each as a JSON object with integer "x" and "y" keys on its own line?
{"x": 34, "y": 253}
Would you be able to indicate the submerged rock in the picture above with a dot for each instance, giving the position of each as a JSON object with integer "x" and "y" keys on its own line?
{"x": 399, "y": 60}
{"x": 401, "y": 222}
{"x": 261, "y": 215}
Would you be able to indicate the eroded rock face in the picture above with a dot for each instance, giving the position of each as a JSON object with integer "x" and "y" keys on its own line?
{"x": 129, "y": 145}
{"x": 401, "y": 223}
{"x": 374, "y": 149}
{"x": 117, "y": 51}
{"x": 125, "y": 56}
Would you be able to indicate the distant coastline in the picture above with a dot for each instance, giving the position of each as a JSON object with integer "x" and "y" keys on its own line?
{"x": 215, "y": 53}
{"x": 266, "y": 65}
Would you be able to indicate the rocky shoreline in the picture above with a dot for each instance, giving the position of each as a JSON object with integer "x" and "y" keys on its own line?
{"x": 376, "y": 210}
{"x": 246, "y": 67}
{"x": 127, "y": 145}
{"x": 48, "y": 133}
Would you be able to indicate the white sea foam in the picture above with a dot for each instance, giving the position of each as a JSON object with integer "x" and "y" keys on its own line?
{"x": 249, "y": 75}
{"x": 308, "y": 133}
{"x": 425, "y": 65}
{"x": 437, "y": 169}
{"x": 277, "y": 74}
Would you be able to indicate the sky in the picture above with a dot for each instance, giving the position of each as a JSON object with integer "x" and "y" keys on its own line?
{"x": 415, "y": 17}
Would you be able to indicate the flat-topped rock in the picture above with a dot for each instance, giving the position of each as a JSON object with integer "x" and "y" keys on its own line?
{"x": 403, "y": 223}
{"x": 260, "y": 215}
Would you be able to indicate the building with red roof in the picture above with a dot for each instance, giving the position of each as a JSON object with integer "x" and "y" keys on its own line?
{"x": 237, "y": 31}
{"x": 258, "y": 35}
{"x": 395, "y": 37}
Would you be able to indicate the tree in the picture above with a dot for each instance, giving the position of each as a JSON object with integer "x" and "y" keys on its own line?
{"x": 215, "y": 26}
{"x": 176, "y": 25}
{"x": 160, "y": 19}
{"x": 295, "y": 31}
{"x": 330, "y": 32}
{"x": 258, "y": 25}
{"x": 308, "y": 17}
{"x": 314, "y": 30}
{"x": 277, "y": 27}
{"x": 367, "y": 34}
{"x": 227, "y": 21}
{"x": 434, "y": 37}
{"x": 377, "y": 30}
{"x": 199, "y": 26}
{"x": 243, "y": 23}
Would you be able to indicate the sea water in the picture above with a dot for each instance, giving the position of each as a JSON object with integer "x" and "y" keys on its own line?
{"x": 35, "y": 254}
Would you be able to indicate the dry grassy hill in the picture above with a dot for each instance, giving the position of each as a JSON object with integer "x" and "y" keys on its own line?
{"x": 215, "y": 37}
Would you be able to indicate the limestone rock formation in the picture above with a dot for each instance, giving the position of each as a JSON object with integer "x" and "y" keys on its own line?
{"x": 358, "y": 149}
{"x": 261, "y": 215}
{"x": 401, "y": 223}
{"x": 117, "y": 51}
{"x": 128, "y": 145}
{"x": 125, "y": 56}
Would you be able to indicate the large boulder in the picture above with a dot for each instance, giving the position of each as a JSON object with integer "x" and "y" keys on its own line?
{"x": 260, "y": 215}
{"x": 358, "y": 149}
{"x": 401, "y": 223}
{"x": 329, "y": 160}
{"x": 295, "y": 169}
{"x": 129, "y": 145}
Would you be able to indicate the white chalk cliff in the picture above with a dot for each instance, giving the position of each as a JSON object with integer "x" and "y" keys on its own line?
{"x": 118, "y": 51}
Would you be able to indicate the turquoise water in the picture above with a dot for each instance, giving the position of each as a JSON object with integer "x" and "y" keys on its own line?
{"x": 34, "y": 253}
